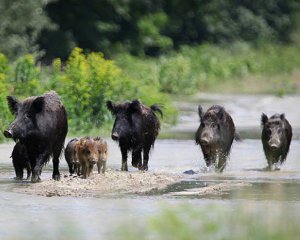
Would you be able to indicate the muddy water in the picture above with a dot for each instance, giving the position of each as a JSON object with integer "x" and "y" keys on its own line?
{"x": 29, "y": 217}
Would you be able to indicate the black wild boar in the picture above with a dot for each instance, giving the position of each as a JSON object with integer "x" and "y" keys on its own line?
{"x": 70, "y": 156}
{"x": 215, "y": 136}
{"x": 276, "y": 138}
{"x": 41, "y": 125}
{"x": 20, "y": 161}
{"x": 87, "y": 153}
{"x": 103, "y": 154}
{"x": 135, "y": 128}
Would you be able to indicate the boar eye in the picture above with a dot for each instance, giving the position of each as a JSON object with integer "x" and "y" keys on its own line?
{"x": 213, "y": 125}
{"x": 269, "y": 132}
{"x": 27, "y": 116}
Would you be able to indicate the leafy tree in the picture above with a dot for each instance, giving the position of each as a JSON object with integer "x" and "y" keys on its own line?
{"x": 21, "y": 24}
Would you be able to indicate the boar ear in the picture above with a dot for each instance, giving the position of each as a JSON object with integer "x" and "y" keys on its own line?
{"x": 37, "y": 105}
{"x": 111, "y": 107}
{"x": 282, "y": 116}
{"x": 200, "y": 112}
{"x": 264, "y": 119}
{"x": 13, "y": 104}
{"x": 220, "y": 113}
{"x": 134, "y": 106}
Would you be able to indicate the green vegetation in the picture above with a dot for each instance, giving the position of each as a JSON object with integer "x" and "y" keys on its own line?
{"x": 86, "y": 81}
{"x": 187, "y": 222}
{"x": 240, "y": 67}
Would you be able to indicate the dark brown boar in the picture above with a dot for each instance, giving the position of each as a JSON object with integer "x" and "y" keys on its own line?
{"x": 41, "y": 125}
{"x": 276, "y": 139}
{"x": 20, "y": 161}
{"x": 70, "y": 156}
{"x": 215, "y": 136}
{"x": 87, "y": 153}
{"x": 103, "y": 154}
{"x": 135, "y": 128}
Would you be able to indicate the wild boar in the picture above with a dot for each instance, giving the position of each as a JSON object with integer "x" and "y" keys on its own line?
{"x": 215, "y": 136}
{"x": 20, "y": 161}
{"x": 87, "y": 153}
{"x": 41, "y": 125}
{"x": 70, "y": 156}
{"x": 103, "y": 154}
{"x": 135, "y": 129}
{"x": 276, "y": 138}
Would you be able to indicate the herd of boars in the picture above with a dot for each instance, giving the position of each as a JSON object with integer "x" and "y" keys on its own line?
{"x": 40, "y": 128}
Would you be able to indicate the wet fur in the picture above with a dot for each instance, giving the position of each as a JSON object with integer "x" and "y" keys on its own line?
{"x": 221, "y": 147}
{"x": 46, "y": 135}
{"x": 278, "y": 155}
{"x": 137, "y": 127}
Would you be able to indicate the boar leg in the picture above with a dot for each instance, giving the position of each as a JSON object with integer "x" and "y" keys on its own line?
{"x": 137, "y": 158}
{"x": 146, "y": 157}
{"x": 124, "y": 159}
{"x": 56, "y": 153}
{"x": 37, "y": 170}
{"x": 19, "y": 176}
{"x": 28, "y": 167}
{"x": 99, "y": 165}
{"x": 103, "y": 166}
{"x": 221, "y": 162}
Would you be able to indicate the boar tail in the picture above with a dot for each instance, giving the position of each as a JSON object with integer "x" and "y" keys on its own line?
{"x": 157, "y": 108}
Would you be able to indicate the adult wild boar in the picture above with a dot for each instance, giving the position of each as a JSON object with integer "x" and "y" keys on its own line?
{"x": 86, "y": 151}
{"x": 20, "y": 161}
{"x": 103, "y": 154}
{"x": 41, "y": 125}
{"x": 135, "y": 128}
{"x": 215, "y": 136}
{"x": 70, "y": 156}
{"x": 276, "y": 138}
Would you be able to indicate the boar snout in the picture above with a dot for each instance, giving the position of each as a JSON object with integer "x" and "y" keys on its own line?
{"x": 274, "y": 145}
{"x": 115, "y": 136}
{"x": 8, "y": 133}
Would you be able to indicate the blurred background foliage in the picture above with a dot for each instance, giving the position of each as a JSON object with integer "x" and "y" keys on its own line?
{"x": 95, "y": 50}
{"x": 212, "y": 221}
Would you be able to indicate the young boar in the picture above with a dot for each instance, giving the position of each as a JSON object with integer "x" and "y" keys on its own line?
{"x": 70, "y": 156}
{"x": 215, "y": 136}
{"x": 87, "y": 153}
{"x": 135, "y": 128}
{"x": 276, "y": 138}
{"x": 41, "y": 125}
{"x": 103, "y": 154}
{"x": 20, "y": 161}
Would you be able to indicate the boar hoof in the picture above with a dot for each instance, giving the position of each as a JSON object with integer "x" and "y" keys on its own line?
{"x": 35, "y": 179}
{"x": 124, "y": 167}
{"x": 56, "y": 177}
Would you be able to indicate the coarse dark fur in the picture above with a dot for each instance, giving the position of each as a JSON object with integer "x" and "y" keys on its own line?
{"x": 135, "y": 128}
{"x": 276, "y": 138}
{"x": 20, "y": 161}
{"x": 41, "y": 125}
{"x": 215, "y": 136}
{"x": 70, "y": 156}
{"x": 103, "y": 154}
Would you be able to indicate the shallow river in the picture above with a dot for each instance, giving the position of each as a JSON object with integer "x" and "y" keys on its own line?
{"x": 32, "y": 217}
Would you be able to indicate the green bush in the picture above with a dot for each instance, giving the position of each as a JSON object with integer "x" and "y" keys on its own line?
{"x": 5, "y": 115}
{"x": 26, "y": 80}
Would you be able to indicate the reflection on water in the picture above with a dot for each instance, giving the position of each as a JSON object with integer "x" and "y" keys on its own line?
{"x": 28, "y": 216}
